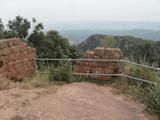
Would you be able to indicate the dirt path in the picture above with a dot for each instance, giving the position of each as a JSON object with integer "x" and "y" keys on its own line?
{"x": 77, "y": 101}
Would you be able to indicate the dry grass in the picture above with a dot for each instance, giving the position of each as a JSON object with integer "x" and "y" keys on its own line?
{"x": 120, "y": 87}
{"x": 6, "y": 84}
{"x": 17, "y": 117}
{"x": 36, "y": 81}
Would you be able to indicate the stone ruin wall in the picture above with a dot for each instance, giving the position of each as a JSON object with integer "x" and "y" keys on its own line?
{"x": 101, "y": 67}
{"x": 16, "y": 59}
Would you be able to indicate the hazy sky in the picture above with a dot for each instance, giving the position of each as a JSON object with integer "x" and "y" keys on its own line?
{"x": 82, "y": 10}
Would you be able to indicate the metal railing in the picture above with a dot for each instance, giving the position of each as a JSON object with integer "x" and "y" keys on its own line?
{"x": 105, "y": 60}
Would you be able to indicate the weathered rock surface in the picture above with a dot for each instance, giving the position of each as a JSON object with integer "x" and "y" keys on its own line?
{"x": 16, "y": 59}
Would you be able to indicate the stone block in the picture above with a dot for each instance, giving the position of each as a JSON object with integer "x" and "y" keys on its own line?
{"x": 22, "y": 48}
{"x": 3, "y": 60}
{"x": 31, "y": 56}
{"x": 16, "y": 41}
{"x": 89, "y": 54}
{"x": 12, "y": 74}
{"x": 3, "y": 69}
{"x": 14, "y": 49}
{"x": 10, "y": 43}
{"x": 12, "y": 57}
{"x": 3, "y": 44}
{"x": 99, "y": 51}
{"x": 6, "y": 51}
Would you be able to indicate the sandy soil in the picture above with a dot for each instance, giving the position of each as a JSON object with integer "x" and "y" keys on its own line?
{"x": 77, "y": 101}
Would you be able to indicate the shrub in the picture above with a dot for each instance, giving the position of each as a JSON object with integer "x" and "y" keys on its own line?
{"x": 17, "y": 117}
{"x": 60, "y": 74}
{"x": 139, "y": 92}
{"x": 90, "y": 80}
{"x": 146, "y": 93}
{"x": 140, "y": 72}
{"x": 153, "y": 100}
{"x": 144, "y": 73}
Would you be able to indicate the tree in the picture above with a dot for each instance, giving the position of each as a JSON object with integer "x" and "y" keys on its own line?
{"x": 37, "y": 36}
{"x": 148, "y": 52}
{"x": 9, "y": 34}
{"x": 61, "y": 46}
{"x": 19, "y": 26}
{"x": 49, "y": 45}
{"x": 1, "y": 29}
{"x": 34, "y": 20}
{"x": 1, "y": 25}
{"x": 74, "y": 52}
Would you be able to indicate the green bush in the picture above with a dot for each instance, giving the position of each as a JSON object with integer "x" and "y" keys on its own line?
{"x": 60, "y": 74}
{"x": 140, "y": 72}
{"x": 153, "y": 100}
{"x": 139, "y": 92}
{"x": 145, "y": 93}
{"x": 144, "y": 73}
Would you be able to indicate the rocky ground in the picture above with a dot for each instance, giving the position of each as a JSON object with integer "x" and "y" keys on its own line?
{"x": 76, "y": 101}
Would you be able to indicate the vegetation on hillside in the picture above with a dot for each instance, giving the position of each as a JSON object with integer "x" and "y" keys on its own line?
{"x": 133, "y": 48}
{"x": 79, "y": 35}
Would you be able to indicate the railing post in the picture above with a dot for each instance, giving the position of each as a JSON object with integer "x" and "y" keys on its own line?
{"x": 121, "y": 69}
{"x": 70, "y": 65}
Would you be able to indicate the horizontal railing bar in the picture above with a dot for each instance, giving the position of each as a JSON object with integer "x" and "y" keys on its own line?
{"x": 116, "y": 75}
{"x": 98, "y": 60}
{"x": 42, "y": 72}
{"x": 138, "y": 79}
{"x": 50, "y": 59}
{"x": 146, "y": 66}
{"x": 96, "y": 74}
{"x": 94, "y": 60}
{"x": 119, "y": 75}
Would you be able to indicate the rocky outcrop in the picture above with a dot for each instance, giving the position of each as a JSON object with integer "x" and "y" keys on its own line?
{"x": 16, "y": 59}
{"x": 101, "y": 67}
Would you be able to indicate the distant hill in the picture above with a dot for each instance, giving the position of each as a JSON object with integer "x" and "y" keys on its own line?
{"x": 76, "y": 36}
{"x": 132, "y": 47}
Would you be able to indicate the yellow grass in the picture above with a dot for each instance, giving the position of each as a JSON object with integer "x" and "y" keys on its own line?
{"x": 36, "y": 81}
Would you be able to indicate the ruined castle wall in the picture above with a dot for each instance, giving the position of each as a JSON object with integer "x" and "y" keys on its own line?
{"x": 16, "y": 59}
{"x": 101, "y": 67}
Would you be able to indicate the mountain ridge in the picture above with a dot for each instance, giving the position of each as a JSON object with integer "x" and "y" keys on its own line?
{"x": 132, "y": 47}
{"x": 79, "y": 35}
